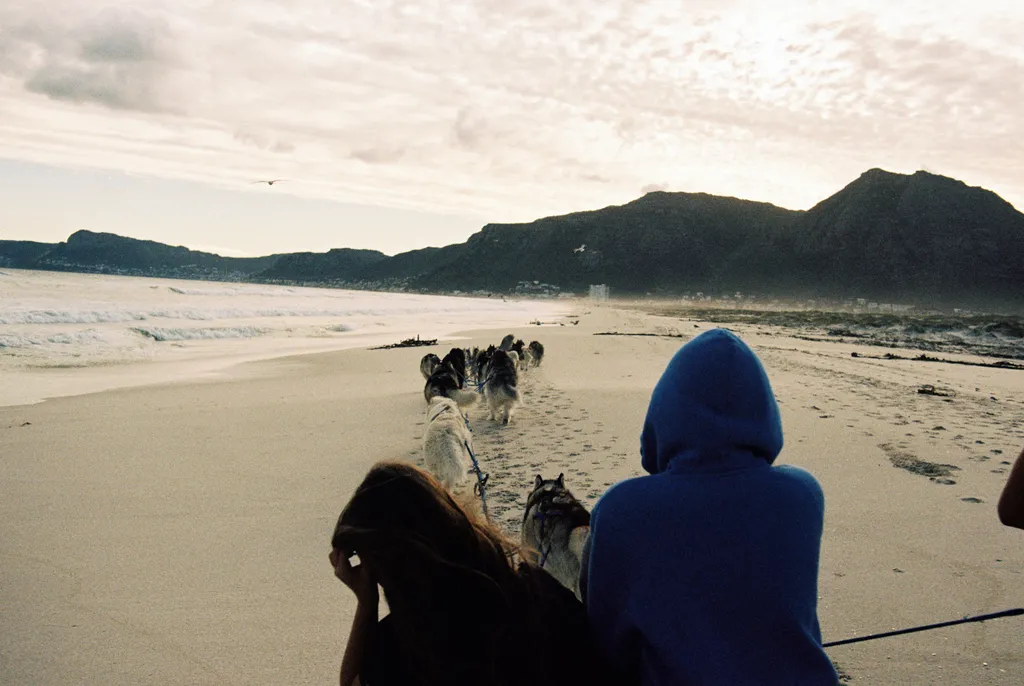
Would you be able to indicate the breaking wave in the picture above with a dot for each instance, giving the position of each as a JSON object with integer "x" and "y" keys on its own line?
{"x": 109, "y": 316}
{"x": 76, "y": 338}
{"x": 162, "y": 335}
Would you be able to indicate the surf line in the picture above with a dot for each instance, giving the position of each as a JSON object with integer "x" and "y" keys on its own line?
{"x": 927, "y": 627}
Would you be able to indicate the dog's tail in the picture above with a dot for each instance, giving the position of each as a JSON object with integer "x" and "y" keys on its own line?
{"x": 577, "y": 539}
{"x": 464, "y": 398}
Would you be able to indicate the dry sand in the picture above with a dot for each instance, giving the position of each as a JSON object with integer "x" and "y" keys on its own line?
{"x": 179, "y": 532}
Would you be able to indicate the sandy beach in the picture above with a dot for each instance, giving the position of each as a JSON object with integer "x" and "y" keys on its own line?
{"x": 179, "y": 531}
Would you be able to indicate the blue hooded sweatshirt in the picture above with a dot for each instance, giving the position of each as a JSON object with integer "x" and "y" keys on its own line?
{"x": 706, "y": 572}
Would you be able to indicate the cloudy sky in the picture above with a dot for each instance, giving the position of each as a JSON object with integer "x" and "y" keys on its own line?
{"x": 398, "y": 124}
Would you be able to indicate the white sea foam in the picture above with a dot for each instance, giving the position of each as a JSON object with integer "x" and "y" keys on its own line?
{"x": 64, "y": 338}
{"x": 162, "y": 335}
{"x": 58, "y": 321}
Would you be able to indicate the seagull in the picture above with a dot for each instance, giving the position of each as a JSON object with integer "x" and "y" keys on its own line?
{"x": 269, "y": 182}
{"x": 582, "y": 248}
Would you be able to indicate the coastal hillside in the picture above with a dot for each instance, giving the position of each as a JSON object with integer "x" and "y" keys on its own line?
{"x": 107, "y": 253}
{"x": 662, "y": 242}
{"x": 904, "y": 238}
{"x": 913, "y": 239}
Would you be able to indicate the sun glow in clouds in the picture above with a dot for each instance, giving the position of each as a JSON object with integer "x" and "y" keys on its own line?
{"x": 503, "y": 111}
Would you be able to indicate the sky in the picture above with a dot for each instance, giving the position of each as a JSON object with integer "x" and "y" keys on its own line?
{"x": 397, "y": 125}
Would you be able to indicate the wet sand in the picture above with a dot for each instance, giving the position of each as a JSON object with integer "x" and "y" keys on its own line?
{"x": 179, "y": 532}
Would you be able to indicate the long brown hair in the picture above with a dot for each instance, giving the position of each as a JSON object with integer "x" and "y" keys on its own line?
{"x": 446, "y": 574}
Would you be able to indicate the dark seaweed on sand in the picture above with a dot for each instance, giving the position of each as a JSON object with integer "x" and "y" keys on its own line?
{"x": 914, "y": 465}
{"x": 408, "y": 343}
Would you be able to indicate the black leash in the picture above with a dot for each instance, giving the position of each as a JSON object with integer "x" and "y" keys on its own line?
{"x": 480, "y": 487}
{"x": 927, "y": 627}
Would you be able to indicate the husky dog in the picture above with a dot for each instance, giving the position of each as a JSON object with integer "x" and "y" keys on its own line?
{"x": 500, "y": 386}
{"x": 514, "y": 356}
{"x": 555, "y": 528}
{"x": 444, "y": 383}
{"x": 538, "y": 352}
{"x": 506, "y": 342}
{"x": 519, "y": 348}
{"x": 480, "y": 362}
{"x": 446, "y": 444}
{"x": 456, "y": 360}
{"x": 428, "y": 364}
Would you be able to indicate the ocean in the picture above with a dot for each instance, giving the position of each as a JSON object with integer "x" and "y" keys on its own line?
{"x": 64, "y": 333}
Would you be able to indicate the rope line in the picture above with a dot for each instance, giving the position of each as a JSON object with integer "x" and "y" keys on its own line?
{"x": 927, "y": 627}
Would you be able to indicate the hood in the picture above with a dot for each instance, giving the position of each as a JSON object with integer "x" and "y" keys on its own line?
{"x": 713, "y": 406}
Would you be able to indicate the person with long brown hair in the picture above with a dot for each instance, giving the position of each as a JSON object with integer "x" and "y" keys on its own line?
{"x": 461, "y": 611}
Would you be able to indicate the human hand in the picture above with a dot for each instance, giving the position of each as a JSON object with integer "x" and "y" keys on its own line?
{"x": 359, "y": 579}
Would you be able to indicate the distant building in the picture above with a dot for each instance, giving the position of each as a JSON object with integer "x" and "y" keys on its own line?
{"x": 598, "y": 292}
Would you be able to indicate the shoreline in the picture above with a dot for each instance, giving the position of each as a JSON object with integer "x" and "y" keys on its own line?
{"x": 67, "y": 334}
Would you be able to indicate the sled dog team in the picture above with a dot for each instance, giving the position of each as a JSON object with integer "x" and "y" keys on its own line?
{"x": 554, "y": 539}
{"x": 704, "y": 571}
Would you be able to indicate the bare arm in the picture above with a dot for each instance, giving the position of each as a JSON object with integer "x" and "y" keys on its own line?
{"x": 352, "y": 663}
{"x": 1011, "y": 503}
{"x": 364, "y": 585}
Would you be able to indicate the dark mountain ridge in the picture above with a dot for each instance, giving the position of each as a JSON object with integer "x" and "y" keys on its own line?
{"x": 913, "y": 239}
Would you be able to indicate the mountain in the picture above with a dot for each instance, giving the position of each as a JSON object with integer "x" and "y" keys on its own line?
{"x": 86, "y": 251}
{"x": 21, "y": 253}
{"x": 898, "y": 237}
{"x": 338, "y": 264}
{"x": 913, "y": 239}
{"x": 665, "y": 242}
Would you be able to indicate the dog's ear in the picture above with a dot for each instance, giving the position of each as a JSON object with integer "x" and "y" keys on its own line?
{"x": 561, "y": 480}
{"x": 538, "y": 481}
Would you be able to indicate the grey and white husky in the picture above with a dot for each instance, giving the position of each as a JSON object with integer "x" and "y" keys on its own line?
{"x": 501, "y": 387}
{"x": 555, "y": 528}
{"x": 429, "y": 364}
{"x": 447, "y": 443}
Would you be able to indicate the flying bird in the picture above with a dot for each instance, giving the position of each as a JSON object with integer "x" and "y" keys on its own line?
{"x": 269, "y": 182}
{"x": 582, "y": 248}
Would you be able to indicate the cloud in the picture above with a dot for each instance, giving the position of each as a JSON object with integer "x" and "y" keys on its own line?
{"x": 264, "y": 141}
{"x": 513, "y": 111}
{"x": 114, "y": 58}
{"x": 378, "y": 155}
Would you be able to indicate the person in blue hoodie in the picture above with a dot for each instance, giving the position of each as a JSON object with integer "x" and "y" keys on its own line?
{"x": 706, "y": 571}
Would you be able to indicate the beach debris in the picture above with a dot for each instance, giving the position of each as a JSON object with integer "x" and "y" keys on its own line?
{"x": 897, "y": 570}
{"x": 667, "y": 334}
{"x": 26, "y": 423}
{"x": 408, "y": 343}
{"x": 934, "y": 470}
{"x": 929, "y": 389}
{"x": 972, "y": 499}
{"x": 1002, "y": 364}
